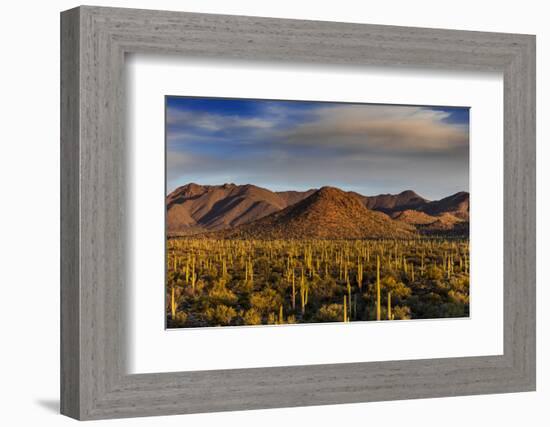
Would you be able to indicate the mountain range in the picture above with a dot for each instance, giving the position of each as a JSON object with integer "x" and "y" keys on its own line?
{"x": 249, "y": 211}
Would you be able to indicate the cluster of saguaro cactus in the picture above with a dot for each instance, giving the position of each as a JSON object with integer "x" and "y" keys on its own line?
{"x": 357, "y": 271}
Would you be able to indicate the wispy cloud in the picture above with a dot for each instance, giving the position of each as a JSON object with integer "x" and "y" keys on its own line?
{"x": 372, "y": 128}
{"x": 213, "y": 122}
{"x": 367, "y": 148}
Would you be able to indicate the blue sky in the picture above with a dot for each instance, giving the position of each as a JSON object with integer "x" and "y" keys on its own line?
{"x": 298, "y": 145}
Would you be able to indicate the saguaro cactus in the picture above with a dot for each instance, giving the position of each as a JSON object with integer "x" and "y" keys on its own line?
{"x": 193, "y": 275}
{"x": 293, "y": 290}
{"x": 390, "y": 317}
{"x": 378, "y": 287}
{"x": 173, "y": 304}
{"x": 349, "y": 297}
{"x": 187, "y": 271}
{"x": 303, "y": 292}
{"x": 359, "y": 274}
{"x": 345, "y": 310}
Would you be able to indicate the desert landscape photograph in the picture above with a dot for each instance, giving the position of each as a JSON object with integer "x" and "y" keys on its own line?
{"x": 292, "y": 212}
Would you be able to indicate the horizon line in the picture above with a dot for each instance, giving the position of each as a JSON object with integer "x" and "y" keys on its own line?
{"x": 312, "y": 188}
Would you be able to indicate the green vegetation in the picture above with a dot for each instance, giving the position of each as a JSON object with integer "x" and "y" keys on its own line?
{"x": 258, "y": 282}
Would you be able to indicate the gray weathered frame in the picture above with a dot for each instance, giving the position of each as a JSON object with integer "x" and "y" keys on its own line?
{"x": 94, "y": 41}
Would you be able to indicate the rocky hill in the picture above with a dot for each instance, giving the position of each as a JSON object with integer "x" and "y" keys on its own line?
{"x": 248, "y": 210}
{"x": 329, "y": 213}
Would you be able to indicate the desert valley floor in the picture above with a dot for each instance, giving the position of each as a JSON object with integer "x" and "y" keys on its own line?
{"x": 245, "y": 255}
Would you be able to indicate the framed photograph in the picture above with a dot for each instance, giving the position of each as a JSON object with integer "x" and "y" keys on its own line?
{"x": 296, "y": 240}
{"x": 349, "y": 208}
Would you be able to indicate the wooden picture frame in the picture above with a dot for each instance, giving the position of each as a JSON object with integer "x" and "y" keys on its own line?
{"x": 94, "y": 382}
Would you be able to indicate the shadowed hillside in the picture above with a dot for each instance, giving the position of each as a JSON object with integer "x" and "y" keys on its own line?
{"x": 457, "y": 205}
{"x": 197, "y": 208}
{"x": 242, "y": 211}
{"x": 390, "y": 203}
{"x": 329, "y": 213}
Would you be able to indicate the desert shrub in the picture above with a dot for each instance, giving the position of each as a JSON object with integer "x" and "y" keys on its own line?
{"x": 252, "y": 317}
{"x": 272, "y": 319}
{"x": 220, "y": 314}
{"x": 199, "y": 286}
{"x": 434, "y": 272}
{"x": 458, "y": 298}
{"x": 455, "y": 310}
{"x": 324, "y": 289}
{"x": 401, "y": 312}
{"x": 265, "y": 300}
{"x": 433, "y": 298}
{"x": 291, "y": 319}
{"x": 397, "y": 289}
{"x": 219, "y": 294}
{"x": 461, "y": 284}
{"x": 331, "y": 313}
{"x": 243, "y": 287}
{"x": 178, "y": 321}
